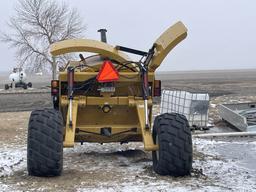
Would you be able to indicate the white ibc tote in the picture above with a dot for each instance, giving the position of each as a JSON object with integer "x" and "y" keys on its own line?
{"x": 193, "y": 105}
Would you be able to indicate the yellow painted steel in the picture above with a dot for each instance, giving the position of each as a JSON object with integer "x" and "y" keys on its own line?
{"x": 166, "y": 42}
{"x": 163, "y": 45}
{"x": 146, "y": 133}
{"x": 127, "y": 106}
{"x": 87, "y": 45}
{"x": 83, "y": 101}
{"x": 84, "y": 121}
{"x": 122, "y": 138}
{"x": 69, "y": 138}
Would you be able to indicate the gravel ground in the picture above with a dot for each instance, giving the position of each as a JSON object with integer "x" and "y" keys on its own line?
{"x": 25, "y": 100}
{"x": 114, "y": 167}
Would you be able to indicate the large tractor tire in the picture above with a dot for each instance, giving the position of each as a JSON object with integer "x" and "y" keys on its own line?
{"x": 172, "y": 133}
{"x": 25, "y": 86}
{"x": 29, "y": 84}
{"x": 45, "y": 143}
{"x": 6, "y": 86}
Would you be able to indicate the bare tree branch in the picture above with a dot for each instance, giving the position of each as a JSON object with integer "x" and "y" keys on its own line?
{"x": 36, "y": 25}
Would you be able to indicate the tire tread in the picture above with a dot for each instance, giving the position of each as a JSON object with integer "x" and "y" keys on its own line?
{"x": 175, "y": 145}
{"x": 45, "y": 143}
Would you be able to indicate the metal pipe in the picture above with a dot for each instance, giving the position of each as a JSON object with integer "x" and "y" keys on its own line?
{"x": 70, "y": 77}
{"x": 103, "y": 35}
{"x": 70, "y": 112}
{"x": 229, "y": 134}
{"x": 81, "y": 57}
{"x": 145, "y": 93}
{"x": 146, "y": 113}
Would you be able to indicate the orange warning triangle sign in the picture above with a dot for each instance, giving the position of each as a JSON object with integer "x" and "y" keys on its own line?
{"x": 107, "y": 73}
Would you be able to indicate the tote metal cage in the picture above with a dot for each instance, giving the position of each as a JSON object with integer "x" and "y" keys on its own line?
{"x": 195, "y": 106}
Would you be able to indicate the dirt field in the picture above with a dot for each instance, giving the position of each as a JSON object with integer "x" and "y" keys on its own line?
{"x": 219, "y": 165}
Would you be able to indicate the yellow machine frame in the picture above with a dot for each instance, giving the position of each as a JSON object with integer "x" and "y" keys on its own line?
{"x": 127, "y": 116}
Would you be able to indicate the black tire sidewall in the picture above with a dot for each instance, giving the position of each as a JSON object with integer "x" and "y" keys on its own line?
{"x": 45, "y": 143}
{"x": 155, "y": 134}
{"x": 29, "y": 84}
{"x": 6, "y": 86}
{"x": 168, "y": 166}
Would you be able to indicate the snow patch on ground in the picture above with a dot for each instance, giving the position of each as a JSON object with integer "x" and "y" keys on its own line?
{"x": 12, "y": 160}
{"x": 213, "y": 105}
{"x": 139, "y": 185}
{"x": 210, "y": 172}
{"x": 114, "y": 167}
{"x": 226, "y": 173}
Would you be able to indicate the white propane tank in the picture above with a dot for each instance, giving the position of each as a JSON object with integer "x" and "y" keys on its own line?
{"x": 18, "y": 76}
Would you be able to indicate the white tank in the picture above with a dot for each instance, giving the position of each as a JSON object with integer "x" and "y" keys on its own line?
{"x": 17, "y": 76}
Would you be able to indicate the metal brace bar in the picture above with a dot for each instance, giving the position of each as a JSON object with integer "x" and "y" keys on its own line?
{"x": 69, "y": 139}
{"x": 146, "y": 133}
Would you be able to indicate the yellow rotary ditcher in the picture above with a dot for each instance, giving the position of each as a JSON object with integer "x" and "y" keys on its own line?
{"x": 106, "y": 98}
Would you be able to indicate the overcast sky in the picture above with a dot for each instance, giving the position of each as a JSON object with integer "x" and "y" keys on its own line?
{"x": 221, "y": 33}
